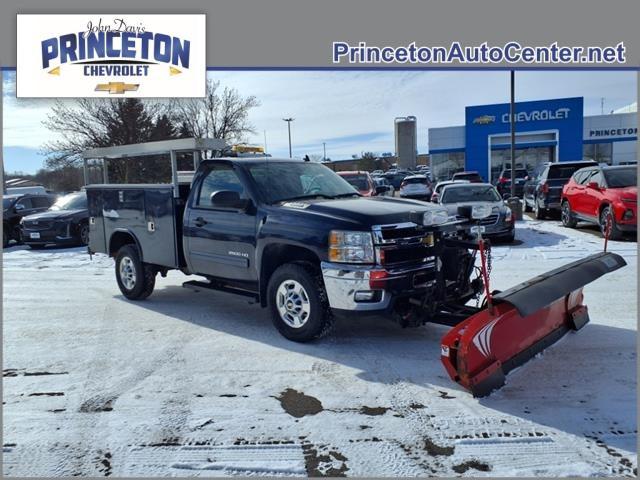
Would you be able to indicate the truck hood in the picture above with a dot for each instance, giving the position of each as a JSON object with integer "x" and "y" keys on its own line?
{"x": 365, "y": 211}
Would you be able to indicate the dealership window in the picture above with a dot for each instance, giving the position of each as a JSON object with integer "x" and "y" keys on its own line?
{"x": 444, "y": 165}
{"x": 599, "y": 152}
{"x": 530, "y": 158}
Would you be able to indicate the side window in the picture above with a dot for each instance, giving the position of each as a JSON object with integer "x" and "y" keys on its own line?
{"x": 220, "y": 177}
{"x": 25, "y": 202}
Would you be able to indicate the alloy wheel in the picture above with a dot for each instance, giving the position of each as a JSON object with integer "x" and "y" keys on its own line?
{"x": 127, "y": 273}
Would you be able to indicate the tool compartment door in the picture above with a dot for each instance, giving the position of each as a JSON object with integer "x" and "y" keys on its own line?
{"x": 97, "y": 241}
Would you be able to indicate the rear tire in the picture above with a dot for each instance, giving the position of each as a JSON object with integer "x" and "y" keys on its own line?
{"x": 298, "y": 302}
{"x": 566, "y": 215}
{"x": 136, "y": 280}
{"x": 616, "y": 233}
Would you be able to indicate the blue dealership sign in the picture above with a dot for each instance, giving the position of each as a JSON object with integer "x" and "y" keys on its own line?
{"x": 559, "y": 123}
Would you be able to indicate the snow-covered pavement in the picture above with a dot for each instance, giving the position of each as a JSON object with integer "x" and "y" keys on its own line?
{"x": 190, "y": 383}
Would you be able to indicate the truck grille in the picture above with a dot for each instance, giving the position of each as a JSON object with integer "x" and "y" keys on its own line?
{"x": 402, "y": 243}
{"x": 490, "y": 220}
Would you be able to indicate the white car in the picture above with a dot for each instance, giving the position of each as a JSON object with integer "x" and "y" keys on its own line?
{"x": 416, "y": 186}
{"x": 440, "y": 185}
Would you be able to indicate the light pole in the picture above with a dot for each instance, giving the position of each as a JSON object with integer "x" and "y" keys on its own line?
{"x": 324, "y": 151}
{"x": 289, "y": 120}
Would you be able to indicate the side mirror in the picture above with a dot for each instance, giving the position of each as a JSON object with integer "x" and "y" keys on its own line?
{"x": 593, "y": 185}
{"x": 228, "y": 199}
{"x": 380, "y": 189}
{"x": 506, "y": 195}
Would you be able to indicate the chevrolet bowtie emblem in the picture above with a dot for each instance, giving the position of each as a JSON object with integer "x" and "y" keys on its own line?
{"x": 117, "y": 87}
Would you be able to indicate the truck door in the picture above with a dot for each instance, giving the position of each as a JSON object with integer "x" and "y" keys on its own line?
{"x": 220, "y": 241}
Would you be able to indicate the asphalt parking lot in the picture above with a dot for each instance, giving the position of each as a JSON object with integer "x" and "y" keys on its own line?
{"x": 201, "y": 384}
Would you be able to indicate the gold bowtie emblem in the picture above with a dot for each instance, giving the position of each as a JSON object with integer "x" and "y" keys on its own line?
{"x": 117, "y": 87}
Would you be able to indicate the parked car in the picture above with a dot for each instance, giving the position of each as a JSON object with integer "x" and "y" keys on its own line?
{"x": 440, "y": 185}
{"x": 377, "y": 173}
{"x": 473, "y": 177}
{"x": 543, "y": 189}
{"x": 601, "y": 193}
{"x": 416, "y": 186}
{"x": 503, "y": 183}
{"x": 17, "y": 206}
{"x": 395, "y": 178}
{"x": 65, "y": 223}
{"x": 383, "y": 182}
{"x": 362, "y": 182}
{"x": 500, "y": 225}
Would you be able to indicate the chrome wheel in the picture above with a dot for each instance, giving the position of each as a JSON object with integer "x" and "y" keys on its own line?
{"x": 127, "y": 272}
{"x": 293, "y": 304}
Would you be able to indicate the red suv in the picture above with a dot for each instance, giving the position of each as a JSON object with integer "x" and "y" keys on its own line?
{"x": 595, "y": 194}
{"x": 361, "y": 181}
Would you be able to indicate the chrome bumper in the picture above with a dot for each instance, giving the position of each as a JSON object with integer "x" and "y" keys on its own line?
{"x": 342, "y": 282}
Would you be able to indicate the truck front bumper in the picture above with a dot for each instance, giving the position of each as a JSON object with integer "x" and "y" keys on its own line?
{"x": 372, "y": 288}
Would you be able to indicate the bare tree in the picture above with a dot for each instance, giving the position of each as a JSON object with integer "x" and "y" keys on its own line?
{"x": 222, "y": 113}
{"x": 90, "y": 123}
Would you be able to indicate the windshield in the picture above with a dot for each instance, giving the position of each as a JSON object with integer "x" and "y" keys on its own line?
{"x": 357, "y": 181}
{"x": 520, "y": 173}
{"x": 7, "y": 202}
{"x": 73, "y": 201}
{"x": 409, "y": 181}
{"x": 563, "y": 171}
{"x": 466, "y": 194}
{"x": 621, "y": 177}
{"x": 277, "y": 182}
{"x": 466, "y": 176}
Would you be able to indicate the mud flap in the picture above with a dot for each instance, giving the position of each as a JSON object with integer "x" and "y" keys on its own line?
{"x": 479, "y": 352}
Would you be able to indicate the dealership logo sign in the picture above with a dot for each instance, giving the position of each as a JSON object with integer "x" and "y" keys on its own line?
{"x": 111, "y": 55}
{"x": 484, "y": 120}
{"x": 538, "y": 115}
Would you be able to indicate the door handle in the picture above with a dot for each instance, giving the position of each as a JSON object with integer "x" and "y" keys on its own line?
{"x": 200, "y": 222}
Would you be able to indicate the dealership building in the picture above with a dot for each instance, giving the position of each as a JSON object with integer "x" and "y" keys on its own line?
{"x": 546, "y": 131}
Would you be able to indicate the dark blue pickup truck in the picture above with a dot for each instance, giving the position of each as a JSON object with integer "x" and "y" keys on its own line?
{"x": 292, "y": 235}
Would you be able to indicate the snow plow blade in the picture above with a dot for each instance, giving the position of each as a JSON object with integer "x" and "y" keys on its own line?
{"x": 480, "y": 351}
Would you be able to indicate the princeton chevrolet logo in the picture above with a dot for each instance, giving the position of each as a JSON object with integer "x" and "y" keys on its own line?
{"x": 484, "y": 120}
{"x": 145, "y": 55}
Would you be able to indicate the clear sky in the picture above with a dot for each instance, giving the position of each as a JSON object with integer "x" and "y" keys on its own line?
{"x": 351, "y": 111}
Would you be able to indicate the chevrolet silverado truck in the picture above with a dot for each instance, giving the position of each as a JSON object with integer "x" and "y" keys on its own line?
{"x": 297, "y": 239}
{"x": 292, "y": 235}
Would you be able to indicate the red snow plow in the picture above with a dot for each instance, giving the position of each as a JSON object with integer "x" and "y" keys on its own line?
{"x": 520, "y": 322}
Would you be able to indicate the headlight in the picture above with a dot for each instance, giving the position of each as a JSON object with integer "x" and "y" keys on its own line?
{"x": 350, "y": 247}
{"x": 435, "y": 217}
{"x": 507, "y": 214}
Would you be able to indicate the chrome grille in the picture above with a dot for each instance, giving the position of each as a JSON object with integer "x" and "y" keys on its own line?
{"x": 490, "y": 220}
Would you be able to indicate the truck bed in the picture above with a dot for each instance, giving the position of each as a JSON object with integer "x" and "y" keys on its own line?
{"x": 151, "y": 213}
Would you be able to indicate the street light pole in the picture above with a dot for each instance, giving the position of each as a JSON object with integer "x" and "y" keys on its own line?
{"x": 324, "y": 151}
{"x": 289, "y": 120}
{"x": 512, "y": 108}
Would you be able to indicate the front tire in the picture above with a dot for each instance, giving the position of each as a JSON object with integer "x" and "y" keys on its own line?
{"x": 83, "y": 234}
{"x": 136, "y": 280}
{"x": 298, "y": 302}
{"x": 539, "y": 213}
{"x": 616, "y": 233}
{"x": 566, "y": 215}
